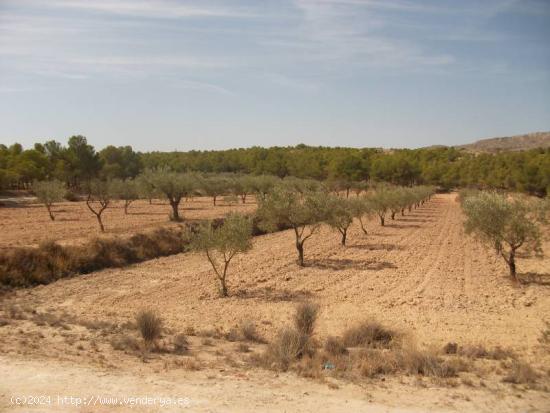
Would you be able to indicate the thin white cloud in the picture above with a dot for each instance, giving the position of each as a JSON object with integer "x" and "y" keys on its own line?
{"x": 151, "y": 8}
{"x": 202, "y": 86}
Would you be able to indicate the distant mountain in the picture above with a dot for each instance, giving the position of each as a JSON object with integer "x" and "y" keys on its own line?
{"x": 510, "y": 143}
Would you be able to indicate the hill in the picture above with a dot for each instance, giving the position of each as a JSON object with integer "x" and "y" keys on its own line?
{"x": 510, "y": 143}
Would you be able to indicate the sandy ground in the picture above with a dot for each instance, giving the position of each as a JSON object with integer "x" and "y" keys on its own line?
{"x": 419, "y": 273}
{"x": 29, "y": 224}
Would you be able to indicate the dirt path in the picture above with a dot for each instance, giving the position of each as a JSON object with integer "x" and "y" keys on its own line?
{"x": 219, "y": 391}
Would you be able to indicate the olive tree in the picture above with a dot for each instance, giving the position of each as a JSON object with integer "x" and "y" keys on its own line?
{"x": 303, "y": 212}
{"x": 362, "y": 209}
{"x": 380, "y": 202}
{"x": 126, "y": 191}
{"x": 145, "y": 188}
{"x": 99, "y": 198}
{"x": 214, "y": 186}
{"x": 339, "y": 215}
{"x": 173, "y": 185}
{"x": 241, "y": 186}
{"x": 507, "y": 224}
{"x": 262, "y": 185}
{"x": 49, "y": 192}
{"x": 222, "y": 243}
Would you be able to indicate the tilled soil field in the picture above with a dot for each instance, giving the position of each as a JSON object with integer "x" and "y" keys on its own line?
{"x": 420, "y": 274}
{"x": 29, "y": 224}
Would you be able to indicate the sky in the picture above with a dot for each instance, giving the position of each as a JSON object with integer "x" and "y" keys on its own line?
{"x": 203, "y": 74}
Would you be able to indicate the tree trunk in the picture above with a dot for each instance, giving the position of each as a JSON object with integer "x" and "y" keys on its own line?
{"x": 382, "y": 220}
{"x": 344, "y": 235}
{"x": 347, "y": 193}
{"x": 393, "y": 215}
{"x": 175, "y": 213}
{"x": 49, "y": 208}
{"x": 126, "y": 205}
{"x": 402, "y": 211}
{"x": 512, "y": 264}
{"x": 300, "y": 248}
{"x": 362, "y": 226}
{"x": 100, "y": 223}
{"x": 243, "y": 198}
{"x": 214, "y": 199}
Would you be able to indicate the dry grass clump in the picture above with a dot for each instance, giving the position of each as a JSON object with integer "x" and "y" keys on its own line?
{"x": 246, "y": 331}
{"x": 335, "y": 346}
{"x": 243, "y": 348}
{"x": 189, "y": 363}
{"x": 370, "y": 334}
{"x": 24, "y": 267}
{"x": 125, "y": 342}
{"x": 288, "y": 346}
{"x": 149, "y": 325}
{"x": 249, "y": 332}
{"x": 480, "y": 352}
{"x": 544, "y": 338}
{"x": 305, "y": 317}
{"x": 293, "y": 343}
{"x": 521, "y": 373}
{"x": 181, "y": 344}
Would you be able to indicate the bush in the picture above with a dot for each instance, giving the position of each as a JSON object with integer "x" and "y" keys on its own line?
{"x": 249, "y": 332}
{"x": 181, "y": 344}
{"x": 288, "y": 346}
{"x": 369, "y": 334}
{"x": 125, "y": 343}
{"x": 23, "y": 267}
{"x": 521, "y": 373}
{"x": 305, "y": 317}
{"x": 149, "y": 325}
{"x": 334, "y": 346}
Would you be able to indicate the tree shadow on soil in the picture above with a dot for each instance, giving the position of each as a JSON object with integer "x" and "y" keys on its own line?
{"x": 400, "y": 225}
{"x": 147, "y": 213}
{"x": 271, "y": 294}
{"x": 414, "y": 219}
{"x": 377, "y": 247}
{"x": 534, "y": 278}
{"x": 341, "y": 264}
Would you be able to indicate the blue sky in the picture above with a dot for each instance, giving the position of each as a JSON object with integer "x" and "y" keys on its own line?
{"x": 200, "y": 74}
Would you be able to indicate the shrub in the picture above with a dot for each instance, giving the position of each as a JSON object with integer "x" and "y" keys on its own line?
{"x": 305, "y": 317}
{"x": 334, "y": 346}
{"x": 425, "y": 363}
{"x": 125, "y": 343}
{"x": 181, "y": 344}
{"x": 288, "y": 346}
{"x": 50, "y": 261}
{"x": 521, "y": 373}
{"x": 369, "y": 334}
{"x": 149, "y": 325}
{"x": 249, "y": 332}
